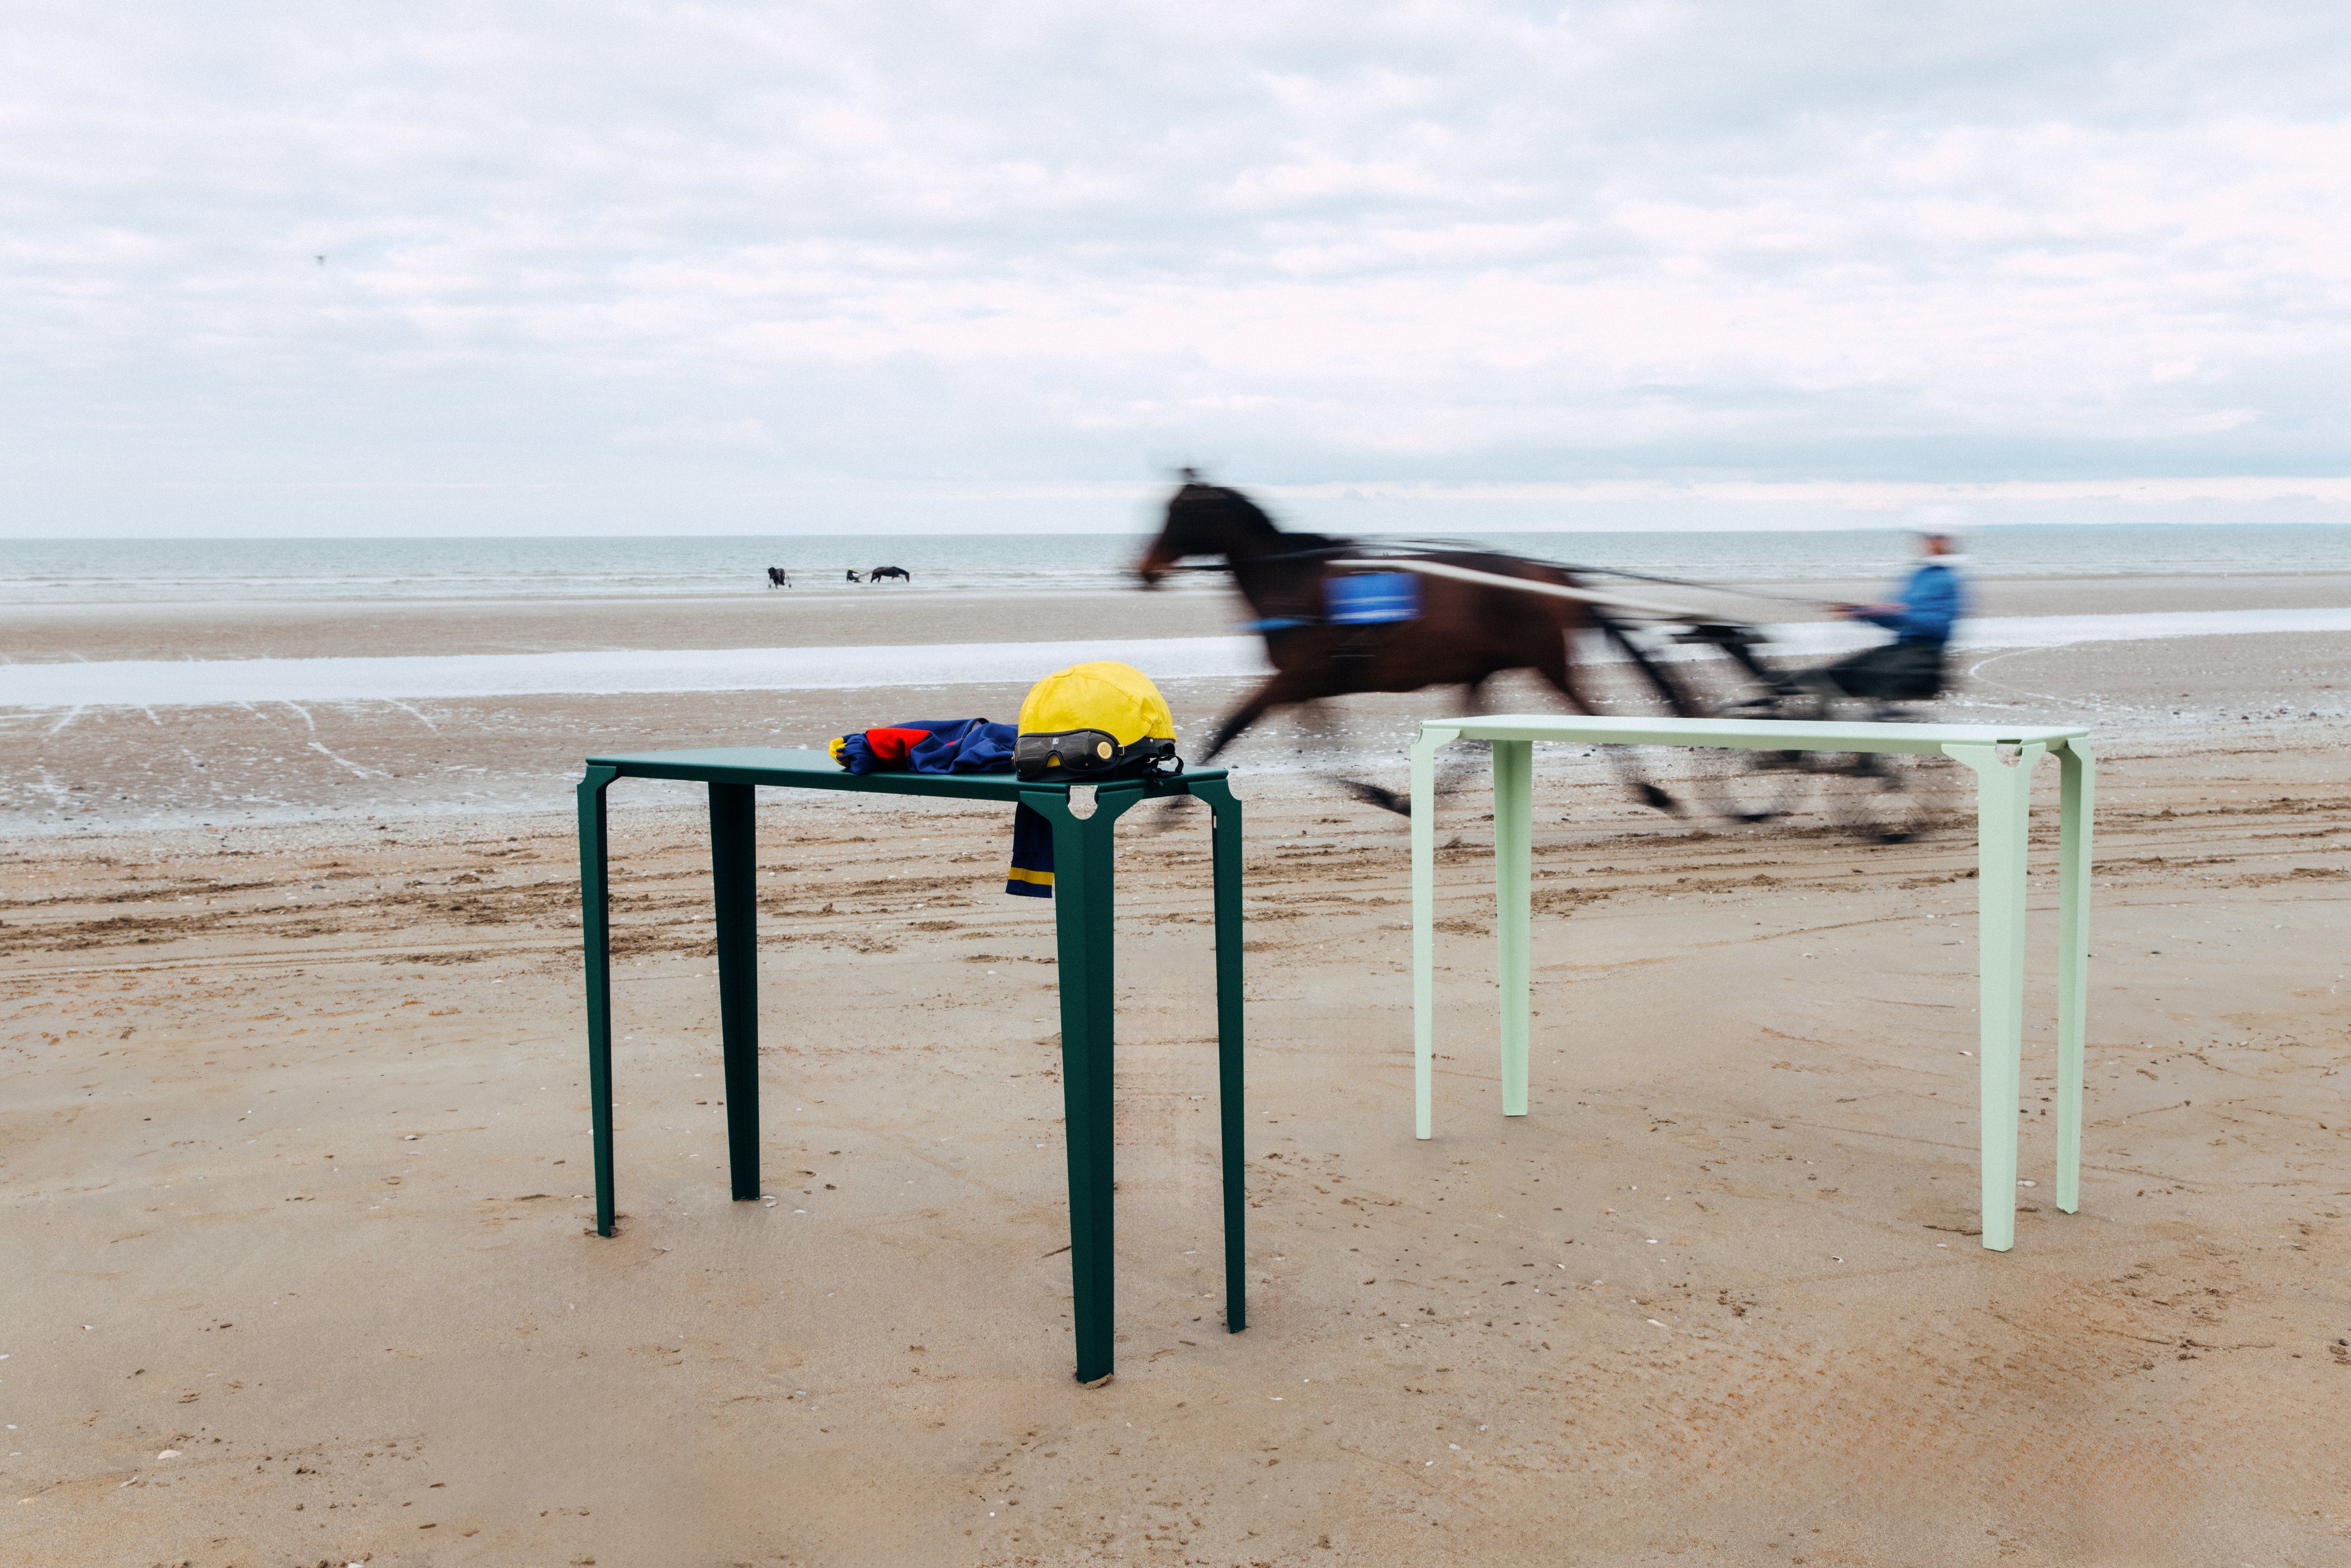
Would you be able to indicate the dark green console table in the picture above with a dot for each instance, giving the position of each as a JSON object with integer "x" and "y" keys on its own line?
{"x": 1083, "y": 819}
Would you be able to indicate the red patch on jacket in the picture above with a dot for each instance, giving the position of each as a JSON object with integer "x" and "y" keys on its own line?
{"x": 890, "y": 746}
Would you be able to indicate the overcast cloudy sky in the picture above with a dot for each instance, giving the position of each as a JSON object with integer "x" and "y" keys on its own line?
{"x": 710, "y": 267}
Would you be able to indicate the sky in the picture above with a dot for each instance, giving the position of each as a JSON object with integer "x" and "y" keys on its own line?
{"x": 589, "y": 268}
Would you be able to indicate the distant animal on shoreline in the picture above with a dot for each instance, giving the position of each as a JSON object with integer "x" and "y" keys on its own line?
{"x": 854, "y": 577}
{"x": 778, "y": 578}
{"x": 878, "y": 572}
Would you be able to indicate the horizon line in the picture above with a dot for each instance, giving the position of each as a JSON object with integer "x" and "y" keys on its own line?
{"x": 1889, "y": 524}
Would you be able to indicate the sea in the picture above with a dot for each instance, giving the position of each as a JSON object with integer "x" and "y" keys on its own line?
{"x": 113, "y": 571}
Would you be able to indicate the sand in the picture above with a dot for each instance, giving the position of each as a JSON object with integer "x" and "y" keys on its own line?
{"x": 295, "y": 1176}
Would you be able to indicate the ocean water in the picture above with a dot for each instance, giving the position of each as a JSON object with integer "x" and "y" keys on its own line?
{"x": 98, "y": 572}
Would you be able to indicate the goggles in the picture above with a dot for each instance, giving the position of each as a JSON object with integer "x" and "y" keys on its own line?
{"x": 1090, "y": 754}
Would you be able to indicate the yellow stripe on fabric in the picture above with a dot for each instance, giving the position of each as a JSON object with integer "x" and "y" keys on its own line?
{"x": 1021, "y": 874}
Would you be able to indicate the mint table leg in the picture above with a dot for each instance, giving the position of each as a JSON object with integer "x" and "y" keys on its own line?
{"x": 2003, "y": 801}
{"x": 735, "y": 890}
{"x": 2077, "y": 796}
{"x": 1514, "y": 775}
{"x": 1226, "y": 858}
{"x": 1085, "y": 944}
{"x": 1424, "y": 921}
{"x": 596, "y": 954}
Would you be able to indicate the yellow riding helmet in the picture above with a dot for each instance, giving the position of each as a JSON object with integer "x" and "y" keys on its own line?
{"x": 1091, "y": 719}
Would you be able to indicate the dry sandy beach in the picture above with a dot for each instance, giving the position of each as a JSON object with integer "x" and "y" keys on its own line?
{"x": 293, "y": 1154}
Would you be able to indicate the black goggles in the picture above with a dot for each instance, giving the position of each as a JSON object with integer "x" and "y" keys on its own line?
{"x": 1089, "y": 754}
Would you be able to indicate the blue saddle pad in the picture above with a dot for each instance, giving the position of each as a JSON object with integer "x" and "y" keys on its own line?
{"x": 1371, "y": 598}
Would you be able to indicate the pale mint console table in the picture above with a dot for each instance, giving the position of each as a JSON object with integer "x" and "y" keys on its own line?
{"x": 2002, "y": 759}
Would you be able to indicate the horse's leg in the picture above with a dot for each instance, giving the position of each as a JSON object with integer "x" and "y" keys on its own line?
{"x": 1315, "y": 722}
{"x": 1281, "y": 689}
{"x": 1267, "y": 696}
{"x": 1559, "y": 670}
{"x": 1316, "y": 719}
{"x": 1462, "y": 763}
{"x": 1451, "y": 776}
{"x": 1677, "y": 698}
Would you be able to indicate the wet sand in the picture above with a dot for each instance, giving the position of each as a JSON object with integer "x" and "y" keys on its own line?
{"x": 889, "y": 615}
{"x": 249, "y": 764}
{"x": 295, "y": 1122}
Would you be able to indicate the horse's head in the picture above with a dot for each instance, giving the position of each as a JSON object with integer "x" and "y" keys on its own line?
{"x": 1203, "y": 519}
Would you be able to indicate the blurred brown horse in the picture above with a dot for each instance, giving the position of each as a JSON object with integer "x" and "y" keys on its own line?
{"x": 1463, "y": 634}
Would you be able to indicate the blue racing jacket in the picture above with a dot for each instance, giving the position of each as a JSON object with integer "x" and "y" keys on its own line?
{"x": 1932, "y": 602}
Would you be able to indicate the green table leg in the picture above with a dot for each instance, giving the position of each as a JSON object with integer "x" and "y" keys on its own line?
{"x": 1424, "y": 921}
{"x": 2003, "y": 804}
{"x": 1514, "y": 788}
{"x": 1225, "y": 854}
{"x": 1083, "y": 866}
{"x": 2077, "y": 796}
{"x": 596, "y": 953}
{"x": 735, "y": 889}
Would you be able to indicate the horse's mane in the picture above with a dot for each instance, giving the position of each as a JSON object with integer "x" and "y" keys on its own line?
{"x": 1246, "y": 512}
{"x": 1194, "y": 493}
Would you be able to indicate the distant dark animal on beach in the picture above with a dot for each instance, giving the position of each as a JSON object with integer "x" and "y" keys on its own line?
{"x": 854, "y": 577}
{"x": 1463, "y": 634}
{"x": 878, "y": 572}
{"x": 778, "y": 578}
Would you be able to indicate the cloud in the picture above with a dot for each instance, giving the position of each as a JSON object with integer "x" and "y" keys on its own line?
{"x": 638, "y": 264}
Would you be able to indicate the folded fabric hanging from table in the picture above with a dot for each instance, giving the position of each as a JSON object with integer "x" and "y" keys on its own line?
{"x": 958, "y": 746}
{"x": 1031, "y": 875}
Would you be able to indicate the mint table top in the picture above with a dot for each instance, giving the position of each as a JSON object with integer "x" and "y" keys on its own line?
{"x": 1752, "y": 734}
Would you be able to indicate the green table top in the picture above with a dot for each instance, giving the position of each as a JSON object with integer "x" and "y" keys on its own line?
{"x": 798, "y": 768}
{"x": 1751, "y": 734}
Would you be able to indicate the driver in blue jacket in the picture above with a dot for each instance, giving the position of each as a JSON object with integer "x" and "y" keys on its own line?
{"x": 1922, "y": 615}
